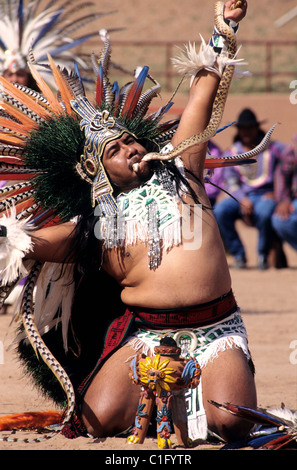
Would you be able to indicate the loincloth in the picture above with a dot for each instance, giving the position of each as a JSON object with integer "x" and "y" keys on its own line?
{"x": 215, "y": 325}
{"x": 201, "y": 331}
{"x": 204, "y": 343}
{"x": 135, "y": 318}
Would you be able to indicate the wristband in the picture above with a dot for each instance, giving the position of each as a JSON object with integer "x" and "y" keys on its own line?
{"x": 217, "y": 41}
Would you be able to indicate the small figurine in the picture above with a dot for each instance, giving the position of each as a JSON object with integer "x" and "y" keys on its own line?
{"x": 163, "y": 379}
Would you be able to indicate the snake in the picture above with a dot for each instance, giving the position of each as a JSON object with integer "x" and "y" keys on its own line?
{"x": 42, "y": 350}
{"x": 221, "y": 96}
{"x": 251, "y": 153}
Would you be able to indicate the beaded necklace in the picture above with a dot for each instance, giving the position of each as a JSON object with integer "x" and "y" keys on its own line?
{"x": 148, "y": 214}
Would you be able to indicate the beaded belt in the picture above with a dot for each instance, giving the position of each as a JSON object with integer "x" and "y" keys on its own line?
{"x": 197, "y": 315}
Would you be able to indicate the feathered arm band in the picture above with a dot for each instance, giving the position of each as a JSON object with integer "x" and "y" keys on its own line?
{"x": 15, "y": 242}
{"x": 212, "y": 56}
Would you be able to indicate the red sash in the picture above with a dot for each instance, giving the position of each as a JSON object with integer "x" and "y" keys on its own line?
{"x": 195, "y": 316}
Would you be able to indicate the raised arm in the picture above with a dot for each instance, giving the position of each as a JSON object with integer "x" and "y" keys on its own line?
{"x": 202, "y": 94}
{"x": 196, "y": 117}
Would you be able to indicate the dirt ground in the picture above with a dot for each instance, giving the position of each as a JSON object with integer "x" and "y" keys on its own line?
{"x": 268, "y": 303}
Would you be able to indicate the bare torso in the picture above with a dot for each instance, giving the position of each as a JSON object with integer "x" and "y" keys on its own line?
{"x": 185, "y": 276}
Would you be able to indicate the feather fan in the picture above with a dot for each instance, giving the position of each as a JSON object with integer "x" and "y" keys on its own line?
{"x": 277, "y": 427}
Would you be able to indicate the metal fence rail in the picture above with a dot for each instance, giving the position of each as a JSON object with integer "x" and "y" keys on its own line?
{"x": 272, "y": 63}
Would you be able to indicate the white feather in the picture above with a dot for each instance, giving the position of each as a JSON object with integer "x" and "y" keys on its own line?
{"x": 55, "y": 290}
{"x": 103, "y": 33}
{"x": 18, "y": 43}
{"x": 284, "y": 413}
{"x": 190, "y": 62}
{"x": 14, "y": 247}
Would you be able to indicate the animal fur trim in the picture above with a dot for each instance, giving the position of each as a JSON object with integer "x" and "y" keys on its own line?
{"x": 13, "y": 247}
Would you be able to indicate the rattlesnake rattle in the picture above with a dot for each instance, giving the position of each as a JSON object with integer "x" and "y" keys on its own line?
{"x": 221, "y": 96}
{"x": 41, "y": 349}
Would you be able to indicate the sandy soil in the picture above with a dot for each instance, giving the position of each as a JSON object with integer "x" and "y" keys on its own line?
{"x": 268, "y": 303}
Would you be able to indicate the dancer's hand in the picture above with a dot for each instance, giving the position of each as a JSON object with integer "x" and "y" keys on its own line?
{"x": 235, "y": 10}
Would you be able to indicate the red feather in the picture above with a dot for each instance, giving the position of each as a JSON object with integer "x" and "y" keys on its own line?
{"x": 23, "y": 205}
{"x": 221, "y": 162}
{"x": 134, "y": 94}
{"x": 45, "y": 218}
{"x": 256, "y": 416}
{"x": 15, "y": 192}
{"x": 11, "y": 160}
{"x": 16, "y": 176}
{"x": 279, "y": 442}
{"x": 99, "y": 86}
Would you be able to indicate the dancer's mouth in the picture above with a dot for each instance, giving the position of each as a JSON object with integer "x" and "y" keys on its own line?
{"x": 135, "y": 167}
{"x": 135, "y": 161}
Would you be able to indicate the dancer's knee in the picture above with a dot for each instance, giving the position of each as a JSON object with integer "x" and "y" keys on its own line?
{"x": 230, "y": 428}
{"x": 103, "y": 421}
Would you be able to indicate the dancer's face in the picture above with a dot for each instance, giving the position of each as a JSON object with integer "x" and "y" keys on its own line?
{"x": 122, "y": 162}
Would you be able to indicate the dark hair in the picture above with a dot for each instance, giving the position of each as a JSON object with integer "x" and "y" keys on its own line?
{"x": 32, "y": 83}
{"x": 86, "y": 248}
{"x": 261, "y": 135}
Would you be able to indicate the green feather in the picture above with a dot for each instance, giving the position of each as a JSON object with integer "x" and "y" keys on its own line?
{"x": 53, "y": 150}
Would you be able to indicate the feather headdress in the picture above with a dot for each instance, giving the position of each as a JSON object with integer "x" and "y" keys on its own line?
{"x": 32, "y": 29}
{"x": 43, "y": 148}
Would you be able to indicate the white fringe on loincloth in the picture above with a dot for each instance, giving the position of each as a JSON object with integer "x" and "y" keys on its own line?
{"x": 228, "y": 334}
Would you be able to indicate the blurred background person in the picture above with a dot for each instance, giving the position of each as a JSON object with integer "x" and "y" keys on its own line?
{"x": 214, "y": 180}
{"x": 29, "y": 32}
{"x": 253, "y": 188}
{"x": 15, "y": 70}
{"x": 284, "y": 220}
